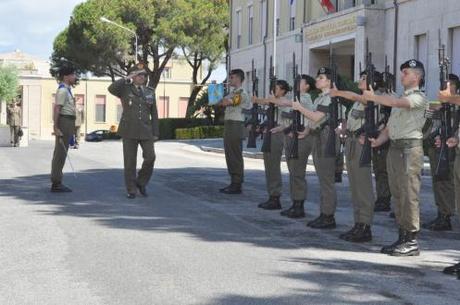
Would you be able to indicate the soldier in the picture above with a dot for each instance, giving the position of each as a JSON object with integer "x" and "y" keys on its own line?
{"x": 78, "y": 122}
{"x": 64, "y": 126}
{"x": 272, "y": 159}
{"x": 325, "y": 166}
{"x": 405, "y": 157}
{"x": 297, "y": 167}
{"x": 234, "y": 103}
{"x": 443, "y": 187}
{"x": 14, "y": 120}
{"x": 379, "y": 159}
{"x": 138, "y": 126}
{"x": 360, "y": 177}
{"x": 447, "y": 96}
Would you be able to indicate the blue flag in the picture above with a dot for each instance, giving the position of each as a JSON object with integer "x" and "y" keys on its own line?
{"x": 215, "y": 93}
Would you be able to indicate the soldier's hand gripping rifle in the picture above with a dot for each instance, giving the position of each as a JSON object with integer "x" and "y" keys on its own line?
{"x": 296, "y": 125}
{"x": 333, "y": 118}
{"x": 370, "y": 127}
{"x": 269, "y": 123}
{"x": 445, "y": 130}
{"x": 253, "y": 121}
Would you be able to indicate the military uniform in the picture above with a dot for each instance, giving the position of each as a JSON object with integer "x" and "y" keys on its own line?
{"x": 325, "y": 167}
{"x": 233, "y": 138}
{"x": 139, "y": 125}
{"x": 297, "y": 167}
{"x": 272, "y": 162}
{"x": 443, "y": 188}
{"x": 360, "y": 179}
{"x": 14, "y": 121}
{"x": 404, "y": 165}
{"x": 66, "y": 124}
{"x": 78, "y": 122}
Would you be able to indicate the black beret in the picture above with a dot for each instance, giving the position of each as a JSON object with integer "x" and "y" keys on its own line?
{"x": 324, "y": 70}
{"x": 66, "y": 70}
{"x": 412, "y": 64}
{"x": 453, "y": 77}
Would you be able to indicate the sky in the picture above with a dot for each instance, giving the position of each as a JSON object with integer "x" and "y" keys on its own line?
{"x": 32, "y": 25}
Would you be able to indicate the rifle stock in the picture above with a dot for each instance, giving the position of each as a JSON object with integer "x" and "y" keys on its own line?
{"x": 254, "y": 120}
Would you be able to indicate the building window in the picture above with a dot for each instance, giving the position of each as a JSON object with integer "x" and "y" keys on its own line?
{"x": 238, "y": 29}
{"x": 163, "y": 107}
{"x": 250, "y": 23}
{"x": 292, "y": 5}
{"x": 100, "y": 109}
{"x": 119, "y": 110}
{"x": 455, "y": 49}
{"x": 263, "y": 18}
{"x": 346, "y": 4}
{"x": 166, "y": 73}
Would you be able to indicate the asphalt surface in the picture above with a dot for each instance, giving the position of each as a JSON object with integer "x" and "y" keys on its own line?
{"x": 188, "y": 244}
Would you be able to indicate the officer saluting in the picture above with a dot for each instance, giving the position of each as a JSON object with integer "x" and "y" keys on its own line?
{"x": 405, "y": 157}
{"x": 138, "y": 126}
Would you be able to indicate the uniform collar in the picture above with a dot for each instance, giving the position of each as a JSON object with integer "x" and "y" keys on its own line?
{"x": 411, "y": 90}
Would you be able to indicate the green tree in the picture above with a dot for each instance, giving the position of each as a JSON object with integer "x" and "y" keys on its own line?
{"x": 9, "y": 82}
{"x": 206, "y": 39}
{"x": 107, "y": 50}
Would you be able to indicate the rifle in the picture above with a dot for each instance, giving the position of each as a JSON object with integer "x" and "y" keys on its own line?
{"x": 296, "y": 125}
{"x": 445, "y": 130}
{"x": 254, "y": 120}
{"x": 333, "y": 119}
{"x": 388, "y": 82}
{"x": 370, "y": 127}
{"x": 269, "y": 123}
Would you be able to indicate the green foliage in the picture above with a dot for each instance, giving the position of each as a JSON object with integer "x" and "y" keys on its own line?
{"x": 168, "y": 126}
{"x": 201, "y": 105}
{"x": 200, "y": 132}
{"x": 9, "y": 82}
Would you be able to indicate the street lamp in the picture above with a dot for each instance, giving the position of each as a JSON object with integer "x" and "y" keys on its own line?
{"x": 103, "y": 19}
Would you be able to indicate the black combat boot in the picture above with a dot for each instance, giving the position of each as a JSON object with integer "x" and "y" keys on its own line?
{"x": 323, "y": 222}
{"x": 382, "y": 205}
{"x": 233, "y": 188}
{"x": 347, "y": 234}
{"x": 390, "y": 248}
{"x": 273, "y": 203}
{"x": 362, "y": 234}
{"x": 392, "y": 215}
{"x": 440, "y": 223}
{"x": 407, "y": 248}
{"x": 295, "y": 211}
{"x": 60, "y": 188}
{"x": 455, "y": 269}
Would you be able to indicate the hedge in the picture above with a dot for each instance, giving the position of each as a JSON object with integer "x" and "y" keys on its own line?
{"x": 168, "y": 126}
{"x": 200, "y": 132}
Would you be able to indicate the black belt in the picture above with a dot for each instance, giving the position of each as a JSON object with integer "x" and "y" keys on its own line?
{"x": 68, "y": 116}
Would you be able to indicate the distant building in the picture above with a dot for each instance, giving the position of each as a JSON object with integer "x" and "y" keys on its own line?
{"x": 102, "y": 109}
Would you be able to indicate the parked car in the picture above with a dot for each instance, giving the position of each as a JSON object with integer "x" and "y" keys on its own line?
{"x": 100, "y": 135}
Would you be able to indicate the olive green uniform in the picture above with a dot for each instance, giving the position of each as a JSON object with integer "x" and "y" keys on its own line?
{"x": 272, "y": 159}
{"x": 139, "y": 125}
{"x": 325, "y": 166}
{"x": 234, "y": 133}
{"x": 456, "y": 172}
{"x": 405, "y": 158}
{"x": 360, "y": 177}
{"x": 14, "y": 121}
{"x": 66, "y": 124}
{"x": 297, "y": 167}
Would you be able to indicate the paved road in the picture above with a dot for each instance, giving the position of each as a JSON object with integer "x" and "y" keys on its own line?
{"x": 189, "y": 244}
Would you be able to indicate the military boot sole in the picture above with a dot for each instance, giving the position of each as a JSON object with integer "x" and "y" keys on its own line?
{"x": 410, "y": 253}
{"x": 270, "y": 207}
{"x": 296, "y": 215}
{"x": 230, "y": 192}
{"x": 360, "y": 239}
{"x": 324, "y": 226}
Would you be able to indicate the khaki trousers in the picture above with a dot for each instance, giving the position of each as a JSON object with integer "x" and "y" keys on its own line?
{"x": 272, "y": 163}
{"x": 233, "y": 146}
{"x": 379, "y": 164}
{"x": 61, "y": 146}
{"x": 130, "y": 162}
{"x": 297, "y": 167}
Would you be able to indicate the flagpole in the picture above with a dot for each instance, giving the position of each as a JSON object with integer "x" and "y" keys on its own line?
{"x": 274, "y": 37}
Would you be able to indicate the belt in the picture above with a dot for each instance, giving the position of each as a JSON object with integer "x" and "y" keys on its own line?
{"x": 406, "y": 143}
{"x": 68, "y": 116}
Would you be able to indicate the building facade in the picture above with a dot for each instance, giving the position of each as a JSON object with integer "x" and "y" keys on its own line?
{"x": 308, "y": 30}
{"x": 102, "y": 110}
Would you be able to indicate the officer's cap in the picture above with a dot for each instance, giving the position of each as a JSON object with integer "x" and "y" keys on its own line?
{"x": 137, "y": 69}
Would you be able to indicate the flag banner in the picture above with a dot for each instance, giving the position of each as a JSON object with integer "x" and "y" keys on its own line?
{"x": 215, "y": 93}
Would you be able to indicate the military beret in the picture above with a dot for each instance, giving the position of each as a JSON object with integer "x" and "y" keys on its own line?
{"x": 137, "y": 68}
{"x": 412, "y": 64}
{"x": 453, "y": 77}
{"x": 66, "y": 70}
{"x": 324, "y": 70}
